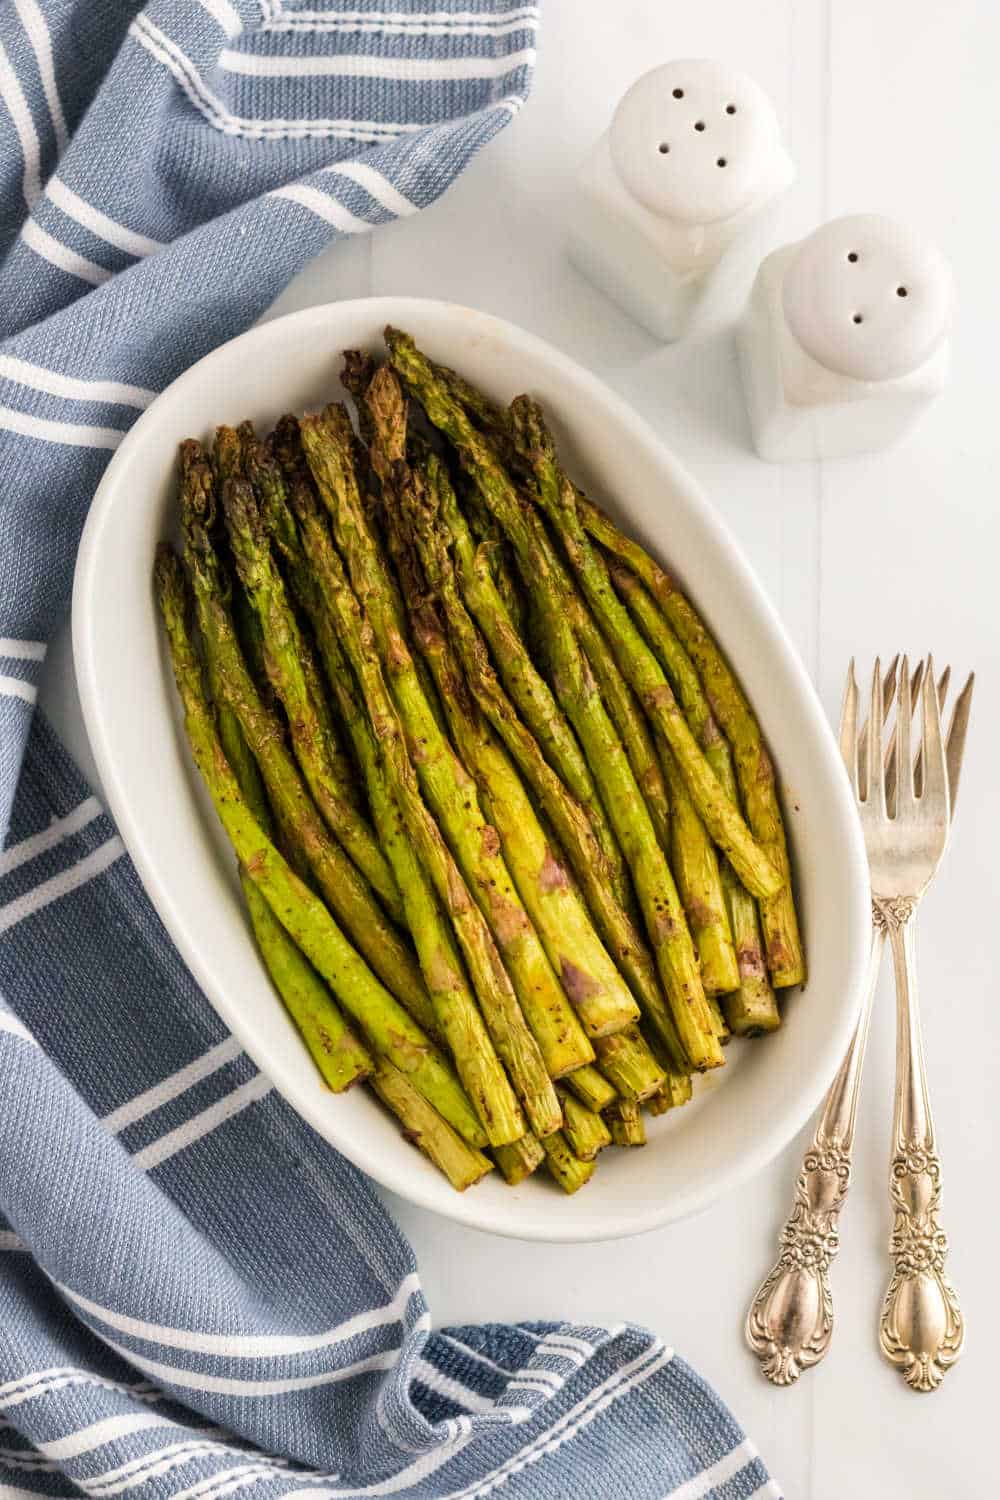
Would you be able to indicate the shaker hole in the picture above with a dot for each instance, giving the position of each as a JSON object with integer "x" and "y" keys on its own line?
{"x": 730, "y": 109}
{"x": 699, "y": 124}
{"x": 664, "y": 147}
{"x": 721, "y": 162}
{"x": 901, "y": 291}
{"x": 678, "y": 93}
{"x": 852, "y": 256}
{"x": 858, "y": 318}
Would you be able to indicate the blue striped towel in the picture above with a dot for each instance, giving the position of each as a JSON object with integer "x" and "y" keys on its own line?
{"x": 198, "y": 1296}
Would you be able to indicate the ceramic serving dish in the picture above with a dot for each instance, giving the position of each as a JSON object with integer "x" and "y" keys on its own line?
{"x": 740, "y": 1116}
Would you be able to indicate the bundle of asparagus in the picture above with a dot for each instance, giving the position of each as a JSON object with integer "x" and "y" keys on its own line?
{"x": 484, "y": 771}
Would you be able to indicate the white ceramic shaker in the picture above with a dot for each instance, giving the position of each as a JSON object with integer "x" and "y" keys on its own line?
{"x": 846, "y": 339}
{"x": 692, "y": 155}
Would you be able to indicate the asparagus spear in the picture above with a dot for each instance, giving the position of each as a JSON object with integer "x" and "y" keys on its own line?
{"x": 225, "y": 461}
{"x": 676, "y": 1090}
{"x": 599, "y": 995}
{"x": 494, "y": 554}
{"x": 343, "y": 887}
{"x": 453, "y": 1006}
{"x": 752, "y": 1008}
{"x": 285, "y": 651}
{"x": 675, "y": 820}
{"x": 571, "y": 676}
{"x": 590, "y": 1086}
{"x": 388, "y": 1027}
{"x": 624, "y": 713}
{"x": 463, "y": 1165}
{"x": 721, "y": 1026}
{"x": 511, "y": 1037}
{"x": 518, "y": 1160}
{"x": 585, "y": 1131}
{"x": 636, "y": 662}
{"x": 449, "y": 789}
{"x": 676, "y": 1086}
{"x": 627, "y": 1061}
{"x": 342, "y": 1059}
{"x": 528, "y": 689}
{"x": 754, "y": 769}
{"x": 628, "y": 1128}
{"x": 338, "y": 1054}
{"x": 696, "y": 870}
{"x": 567, "y": 1169}
{"x": 568, "y": 819}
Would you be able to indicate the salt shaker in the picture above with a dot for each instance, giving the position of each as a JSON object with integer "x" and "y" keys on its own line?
{"x": 692, "y": 155}
{"x": 845, "y": 340}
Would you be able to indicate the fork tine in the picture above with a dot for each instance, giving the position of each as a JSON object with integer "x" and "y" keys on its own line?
{"x": 875, "y": 771}
{"x": 903, "y": 762}
{"x": 889, "y": 686}
{"x": 955, "y": 743}
{"x": 918, "y": 680}
{"x": 935, "y": 779}
{"x": 888, "y": 694}
{"x": 890, "y": 754}
{"x": 849, "y": 728}
{"x": 944, "y": 681}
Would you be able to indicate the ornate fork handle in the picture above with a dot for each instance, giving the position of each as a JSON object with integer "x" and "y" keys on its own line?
{"x": 790, "y": 1321}
{"x": 921, "y": 1328}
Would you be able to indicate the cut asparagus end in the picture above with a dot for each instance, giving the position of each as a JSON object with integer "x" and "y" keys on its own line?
{"x": 591, "y": 1087}
{"x": 567, "y": 1169}
{"x": 584, "y": 1129}
{"x": 424, "y": 1128}
{"x": 518, "y": 1160}
{"x": 628, "y": 1128}
{"x": 627, "y": 1061}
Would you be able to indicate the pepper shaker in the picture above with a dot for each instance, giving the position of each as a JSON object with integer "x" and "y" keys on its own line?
{"x": 692, "y": 156}
{"x": 845, "y": 340}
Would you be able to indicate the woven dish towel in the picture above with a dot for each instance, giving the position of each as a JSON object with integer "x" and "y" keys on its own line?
{"x": 198, "y": 1297}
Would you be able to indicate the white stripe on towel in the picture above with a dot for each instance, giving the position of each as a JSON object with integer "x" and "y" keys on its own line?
{"x": 58, "y": 830}
{"x": 201, "y": 1124}
{"x": 12, "y": 95}
{"x": 223, "y": 12}
{"x": 21, "y": 650}
{"x": 15, "y": 1027}
{"x": 454, "y": 1390}
{"x": 37, "y": 29}
{"x": 76, "y": 434}
{"x": 250, "y": 1346}
{"x": 58, "y": 254}
{"x": 107, "y": 1430}
{"x": 14, "y": 687}
{"x": 324, "y": 207}
{"x": 42, "y": 1382}
{"x": 408, "y": 23}
{"x": 55, "y": 384}
{"x": 718, "y": 1474}
{"x": 98, "y": 223}
{"x": 358, "y": 65}
{"x": 86, "y": 869}
{"x": 376, "y": 185}
{"x": 168, "y": 1088}
{"x": 226, "y": 1385}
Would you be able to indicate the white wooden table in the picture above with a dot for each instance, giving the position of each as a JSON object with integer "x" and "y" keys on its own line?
{"x": 889, "y": 107}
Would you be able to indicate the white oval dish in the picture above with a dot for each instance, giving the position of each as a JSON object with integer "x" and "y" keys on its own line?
{"x": 741, "y": 1116}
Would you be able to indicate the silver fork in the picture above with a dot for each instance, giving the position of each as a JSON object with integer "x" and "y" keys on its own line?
{"x": 789, "y": 1323}
{"x": 921, "y": 1329}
